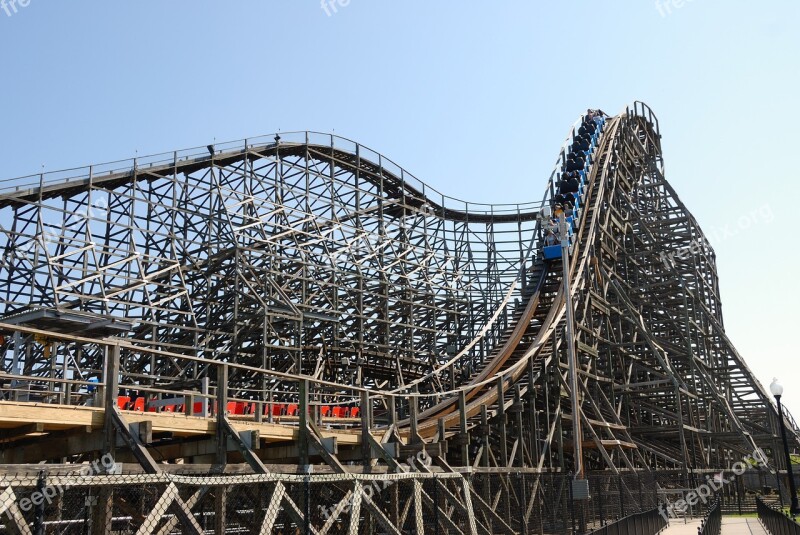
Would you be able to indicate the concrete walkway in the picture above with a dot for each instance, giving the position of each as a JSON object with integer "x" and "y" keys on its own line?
{"x": 730, "y": 526}
{"x": 681, "y": 527}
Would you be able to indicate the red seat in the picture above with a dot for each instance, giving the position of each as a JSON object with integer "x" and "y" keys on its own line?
{"x": 138, "y": 405}
{"x": 339, "y": 412}
{"x": 277, "y": 409}
{"x": 231, "y": 407}
{"x": 197, "y": 408}
{"x": 325, "y": 411}
{"x": 354, "y": 412}
{"x": 123, "y": 402}
{"x": 291, "y": 410}
{"x": 169, "y": 408}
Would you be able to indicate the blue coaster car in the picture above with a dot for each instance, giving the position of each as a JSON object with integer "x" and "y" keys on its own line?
{"x": 551, "y": 252}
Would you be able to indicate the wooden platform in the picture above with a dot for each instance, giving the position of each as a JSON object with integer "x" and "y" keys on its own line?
{"x": 31, "y": 426}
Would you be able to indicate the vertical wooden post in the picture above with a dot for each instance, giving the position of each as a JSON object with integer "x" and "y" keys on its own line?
{"x": 392, "y": 411}
{"x": 222, "y": 406}
{"x": 462, "y": 424}
{"x": 304, "y": 430}
{"x": 305, "y": 502}
{"x": 533, "y": 418}
{"x": 188, "y": 404}
{"x": 366, "y": 425}
{"x": 204, "y": 389}
{"x": 103, "y": 509}
{"x": 391, "y": 408}
{"x": 518, "y": 408}
{"x": 413, "y": 406}
{"x": 221, "y": 492}
{"x": 110, "y": 391}
{"x": 501, "y": 421}
{"x": 487, "y": 486}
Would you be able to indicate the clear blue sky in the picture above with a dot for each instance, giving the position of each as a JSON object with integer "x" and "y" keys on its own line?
{"x": 472, "y": 97}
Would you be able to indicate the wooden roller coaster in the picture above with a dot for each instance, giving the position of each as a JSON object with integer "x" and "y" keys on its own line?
{"x": 301, "y": 303}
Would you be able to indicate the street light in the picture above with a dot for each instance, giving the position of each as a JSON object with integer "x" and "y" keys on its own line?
{"x": 777, "y": 390}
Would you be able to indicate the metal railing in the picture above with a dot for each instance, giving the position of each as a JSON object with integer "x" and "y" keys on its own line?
{"x": 775, "y": 521}
{"x": 647, "y": 523}
{"x": 712, "y": 523}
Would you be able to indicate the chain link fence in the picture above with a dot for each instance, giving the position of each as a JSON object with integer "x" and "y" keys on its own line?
{"x": 410, "y": 503}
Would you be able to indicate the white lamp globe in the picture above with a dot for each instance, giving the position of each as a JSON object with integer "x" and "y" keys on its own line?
{"x": 776, "y": 388}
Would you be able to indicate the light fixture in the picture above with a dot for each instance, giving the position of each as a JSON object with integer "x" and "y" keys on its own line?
{"x": 776, "y": 388}
{"x": 777, "y": 391}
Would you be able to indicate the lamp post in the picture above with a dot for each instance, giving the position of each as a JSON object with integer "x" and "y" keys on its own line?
{"x": 777, "y": 390}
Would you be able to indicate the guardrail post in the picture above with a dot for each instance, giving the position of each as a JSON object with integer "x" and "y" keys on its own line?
{"x": 204, "y": 389}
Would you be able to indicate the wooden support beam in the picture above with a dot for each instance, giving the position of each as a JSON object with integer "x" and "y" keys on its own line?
{"x": 366, "y": 425}
{"x": 21, "y": 431}
{"x": 462, "y": 425}
{"x": 518, "y": 409}
{"x": 133, "y": 442}
{"x": 413, "y": 409}
{"x": 501, "y": 421}
{"x": 305, "y": 432}
{"x": 245, "y": 445}
{"x": 222, "y": 404}
{"x": 55, "y": 446}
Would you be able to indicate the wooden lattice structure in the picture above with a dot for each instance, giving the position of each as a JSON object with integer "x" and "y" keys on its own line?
{"x": 300, "y": 300}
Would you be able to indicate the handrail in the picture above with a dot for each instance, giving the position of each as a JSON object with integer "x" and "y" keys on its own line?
{"x": 12, "y": 185}
{"x": 712, "y": 522}
{"x": 647, "y": 523}
{"x": 774, "y": 520}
